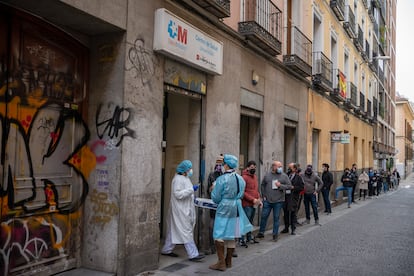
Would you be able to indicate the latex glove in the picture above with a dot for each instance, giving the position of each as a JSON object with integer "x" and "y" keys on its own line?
{"x": 195, "y": 187}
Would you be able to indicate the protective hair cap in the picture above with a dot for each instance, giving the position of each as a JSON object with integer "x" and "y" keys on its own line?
{"x": 184, "y": 166}
{"x": 231, "y": 161}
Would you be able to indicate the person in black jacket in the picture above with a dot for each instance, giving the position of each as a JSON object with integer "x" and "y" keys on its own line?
{"x": 347, "y": 183}
{"x": 292, "y": 199}
{"x": 354, "y": 180}
{"x": 327, "y": 179}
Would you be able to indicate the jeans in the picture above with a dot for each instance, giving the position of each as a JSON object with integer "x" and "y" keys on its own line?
{"x": 326, "y": 200}
{"x": 267, "y": 208}
{"x": 342, "y": 188}
{"x": 250, "y": 212}
{"x": 310, "y": 198}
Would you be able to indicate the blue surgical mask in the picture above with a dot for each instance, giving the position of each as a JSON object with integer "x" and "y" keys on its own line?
{"x": 279, "y": 170}
{"x": 190, "y": 173}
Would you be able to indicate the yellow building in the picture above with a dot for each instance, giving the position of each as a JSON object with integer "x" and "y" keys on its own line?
{"x": 347, "y": 78}
{"x": 404, "y": 136}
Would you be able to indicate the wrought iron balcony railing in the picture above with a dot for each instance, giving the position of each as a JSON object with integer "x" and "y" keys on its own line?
{"x": 359, "y": 40}
{"x": 381, "y": 75}
{"x": 375, "y": 107}
{"x": 365, "y": 2}
{"x": 371, "y": 13}
{"x": 365, "y": 54}
{"x": 369, "y": 108}
{"x": 338, "y": 93}
{"x": 349, "y": 23}
{"x": 338, "y": 7}
{"x": 220, "y": 8}
{"x": 262, "y": 24}
{"x": 362, "y": 101}
{"x": 374, "y": 65}
{"x": 322, "y": 72}
{"x": 300, "y": 54}
{"x": 353, "y": 94}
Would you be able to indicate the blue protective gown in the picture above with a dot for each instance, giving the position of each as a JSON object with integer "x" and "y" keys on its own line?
{"x": 231, "y": 221}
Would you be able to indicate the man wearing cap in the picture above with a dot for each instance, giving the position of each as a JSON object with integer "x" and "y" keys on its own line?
{"x": 231, "y": 221}
{"x": 310, "y": 179}
{"x": 181, "y": 217}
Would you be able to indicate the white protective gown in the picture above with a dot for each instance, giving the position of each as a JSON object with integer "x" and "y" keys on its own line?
{"x": 182, "y": 215}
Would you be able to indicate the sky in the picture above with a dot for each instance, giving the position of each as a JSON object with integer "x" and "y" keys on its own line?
{"x": 405, "y": 48}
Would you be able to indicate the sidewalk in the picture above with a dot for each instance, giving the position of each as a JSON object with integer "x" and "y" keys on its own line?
{"x": 181, "y": 266}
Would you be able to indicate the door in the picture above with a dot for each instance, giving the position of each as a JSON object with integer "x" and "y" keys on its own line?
{"x": 182, "y": 126}
{"x": 43, "y": 138}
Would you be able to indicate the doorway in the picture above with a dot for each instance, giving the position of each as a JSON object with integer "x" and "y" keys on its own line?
{"x": 290, "y": 144}
{"x": 181, "y": 140}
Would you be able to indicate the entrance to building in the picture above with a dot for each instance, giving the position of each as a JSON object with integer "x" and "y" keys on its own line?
{"x": 290, "y": 147}
{"x": 250, "y": 145}
{"x": 181, "y": 135}
{"x": 43, "y": 140}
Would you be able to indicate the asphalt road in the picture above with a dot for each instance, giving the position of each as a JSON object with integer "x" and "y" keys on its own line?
{"x": 374, "y": 237}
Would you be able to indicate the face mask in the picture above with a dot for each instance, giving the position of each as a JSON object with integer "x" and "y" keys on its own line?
{"x": 289, "y": 170}
{"x": 279, "y": 170}
{"x": 190, "y": 173}
{"x": 308, "y": 171}
{"x": 218, "y": 168}
{"x": 252, "y": 171}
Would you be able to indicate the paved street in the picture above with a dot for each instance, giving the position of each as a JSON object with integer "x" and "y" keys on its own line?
{"x": 374, "y": 237}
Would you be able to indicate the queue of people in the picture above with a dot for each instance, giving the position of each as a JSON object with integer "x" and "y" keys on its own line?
{"x": 237, "y": 198}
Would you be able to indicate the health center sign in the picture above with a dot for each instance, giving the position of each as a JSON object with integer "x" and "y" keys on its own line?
{"x": 180, "y": 40}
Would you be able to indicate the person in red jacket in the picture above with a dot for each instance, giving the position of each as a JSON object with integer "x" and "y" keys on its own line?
{"x": 251, "y": 198}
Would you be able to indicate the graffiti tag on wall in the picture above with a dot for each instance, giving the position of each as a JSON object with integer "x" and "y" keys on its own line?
{"x": 112, "y": 122}
{"x": 103, "y": 208}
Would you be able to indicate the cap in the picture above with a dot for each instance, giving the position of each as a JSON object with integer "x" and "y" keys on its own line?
{"x": 184, "y": 166}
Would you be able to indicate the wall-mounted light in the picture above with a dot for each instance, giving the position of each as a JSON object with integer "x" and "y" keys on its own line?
{"x": 255, "y": 78}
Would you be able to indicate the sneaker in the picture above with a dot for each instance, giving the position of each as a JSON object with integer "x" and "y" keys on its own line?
{"x": 317, "y": 222}
{"x": 243, "y": 243}
{"x": 306, "y": 221}
{"x": 349, "y": 206}
{"x": 260, "y": 235}
{"x": 275, "y": 238}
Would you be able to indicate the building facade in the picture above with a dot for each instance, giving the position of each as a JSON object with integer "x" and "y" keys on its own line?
{"x": 404, "y": 136}
{"x": 102, "y": 99}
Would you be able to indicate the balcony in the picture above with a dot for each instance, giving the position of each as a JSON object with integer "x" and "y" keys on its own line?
{"x": 262, "y": 23}
{"x": 338, "y": 7}
{"x": 220, "y": 8}
{"x": 381, "y": 75}
{"x": 374, "y": 65}
{"x": 365, "y": 54}
{"x": 300, "y": 57}
{"x": 338, "y": 94}
{"x": 359, "y": 40}
{"x": 351, "y": 102}
{"x": 349, "y": 24}
{"x": 365, "y": 3}
{"x": 322, "y": 72}
{"x": 371, "y": 12}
